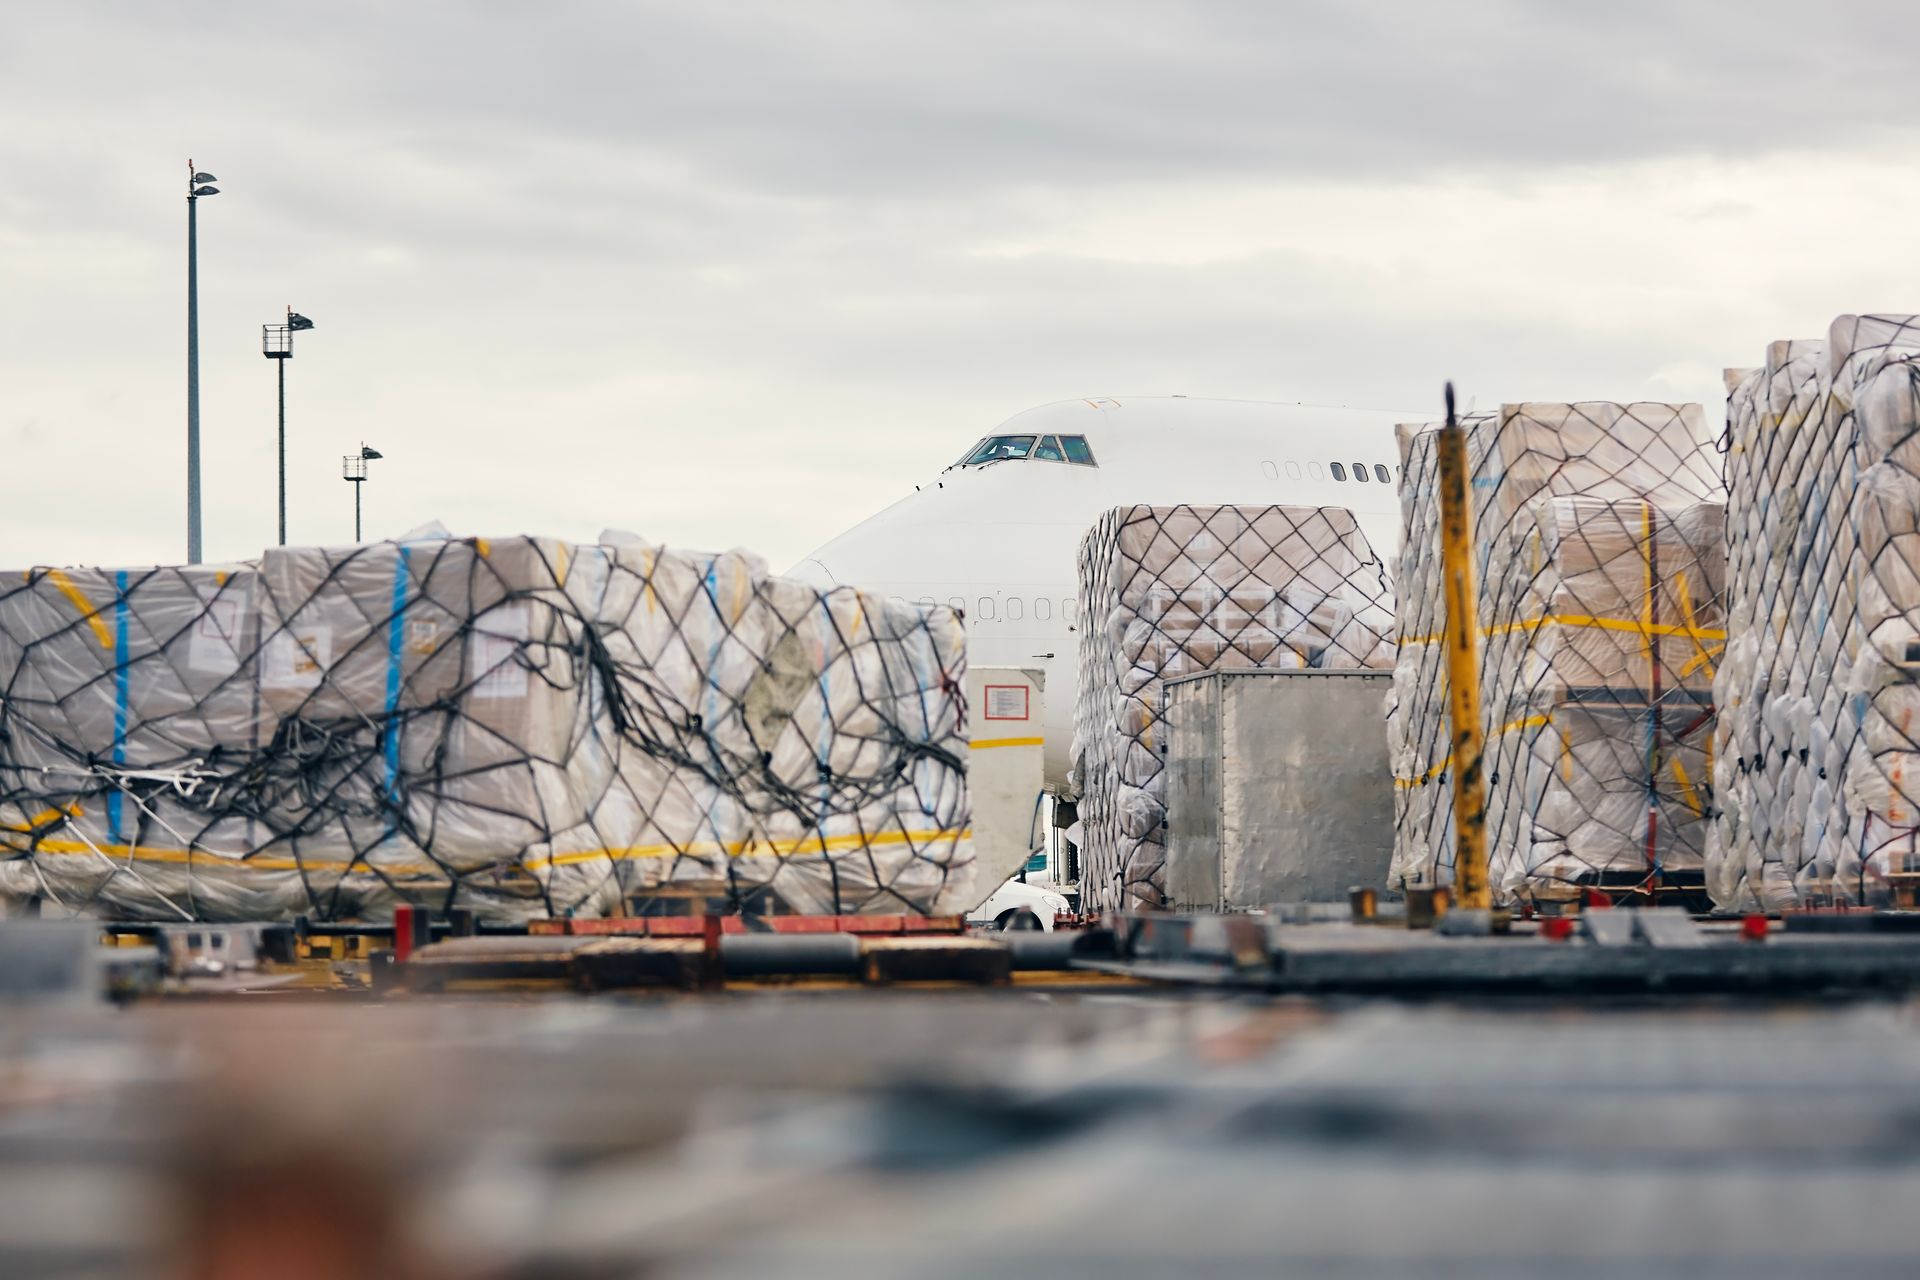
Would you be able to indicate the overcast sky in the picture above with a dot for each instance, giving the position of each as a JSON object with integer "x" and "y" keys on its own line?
{"x": 733, "y": 274}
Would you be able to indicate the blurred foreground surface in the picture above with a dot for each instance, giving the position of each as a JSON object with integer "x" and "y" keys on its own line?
{"x": 948, "y": 1134}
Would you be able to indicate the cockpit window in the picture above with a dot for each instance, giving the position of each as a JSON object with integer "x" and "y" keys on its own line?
{"x": 1000, "y": 448}
{"x": 1069, "y": 449}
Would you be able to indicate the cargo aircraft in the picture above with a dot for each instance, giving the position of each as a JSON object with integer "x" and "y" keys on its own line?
{"x": 997, "y": 533}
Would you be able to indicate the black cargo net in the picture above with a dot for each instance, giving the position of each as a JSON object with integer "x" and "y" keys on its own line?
{"x": 518, "y": 726}
{"x": 1167, "y": 592}
{"x": 1598, "y": 555}
{"x": 1819, "y": 745}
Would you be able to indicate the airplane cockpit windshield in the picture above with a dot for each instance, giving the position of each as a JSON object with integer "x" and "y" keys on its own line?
{"x": 1068, "y": 449}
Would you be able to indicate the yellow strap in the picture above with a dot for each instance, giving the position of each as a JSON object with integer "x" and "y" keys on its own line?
{"x": 983, "y": 744}
{"x": 803, "y": 847}
{"x": 1708, "y": 652}
{"x": 1633, "y": 626}
{"x": 1647, "y": 614}
{"x": 1512, "y": 726}
{"x": 45, "y": 818}
{"x": 1686, "y": 787}
{"x": 92, "y": 615}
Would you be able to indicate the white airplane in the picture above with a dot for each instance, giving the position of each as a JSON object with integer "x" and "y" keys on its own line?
{"x": 997, "y": 534}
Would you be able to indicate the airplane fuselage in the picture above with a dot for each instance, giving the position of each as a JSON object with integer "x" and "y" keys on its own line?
{"x": 997, "y": 534}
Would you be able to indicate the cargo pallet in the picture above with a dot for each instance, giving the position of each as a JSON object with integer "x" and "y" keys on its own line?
{"x": 416, "y": 953}
{"x": 1606, "y": 950}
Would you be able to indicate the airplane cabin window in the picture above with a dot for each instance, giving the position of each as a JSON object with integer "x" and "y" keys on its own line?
{"x": 1069, "y": 608}
{"x": 1293, "y": 471}
{"x": 1000, "y": 448}
{"x": 958, "y": 605}
{"x": 1042, "y": 608}
{"x": 1016, "y": 608}
{"x": 986, "y": 609}
{"x": 1315, "y": 470}
{"x": 1077, "y": 451}
{"x": 1380, "y": 473}
{"x": 1339, "y": 472}
{"x": 1360, "y": 472}
{"x": 1273, "y": 472}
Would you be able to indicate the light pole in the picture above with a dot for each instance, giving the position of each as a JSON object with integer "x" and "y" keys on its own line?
{"x": 276, "y": 344}
{"x": 353, "y": 469}
{"x": 195, "y": 189}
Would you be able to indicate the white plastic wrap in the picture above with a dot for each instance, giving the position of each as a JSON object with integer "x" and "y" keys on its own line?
{"x": 1820, "y": 763}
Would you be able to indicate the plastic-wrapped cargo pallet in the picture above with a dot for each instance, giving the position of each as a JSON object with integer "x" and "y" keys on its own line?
{"x": 1599, "y": 560}
{"x": 1821, "y": 758}
{"x": 519, "y": 726}
{"x": 1786, "y": 570}
{"x": 1168, "y": 591}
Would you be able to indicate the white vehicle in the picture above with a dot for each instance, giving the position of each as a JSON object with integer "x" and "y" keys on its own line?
{"x": 1016, "y": 905}
{"x": 997, "y": 533}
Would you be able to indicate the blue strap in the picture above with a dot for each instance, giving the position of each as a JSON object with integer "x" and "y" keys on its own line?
{"x": 396, "y": 634}
{"x": 114, "y": 797}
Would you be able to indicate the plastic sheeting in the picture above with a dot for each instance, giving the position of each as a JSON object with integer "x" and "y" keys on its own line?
{"x": 1169, "y": 591}
{"x": 1599, "y": 563}
{"x": 519, "y": 726}
{"x": 1819, "y": 754}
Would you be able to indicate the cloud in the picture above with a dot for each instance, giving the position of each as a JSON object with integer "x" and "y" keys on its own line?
{"x": 738, "y": 274}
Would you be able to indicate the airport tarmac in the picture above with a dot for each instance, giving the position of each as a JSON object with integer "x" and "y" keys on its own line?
{"x": 946, "y": 1132}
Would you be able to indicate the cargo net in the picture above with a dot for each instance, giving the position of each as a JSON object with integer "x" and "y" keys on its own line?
{"x": 518, "y": 726}
{"x": 1171, "y": 591}
{"x": 1599, "y": 566}
{"x": 1819, "y": 746}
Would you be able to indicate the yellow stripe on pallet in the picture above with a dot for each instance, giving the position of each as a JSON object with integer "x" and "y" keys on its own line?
{"x": 982, "y": 744}
{"x": 801, "y": 847}
{"x": 194, "y": 857}
{"x": 45, "y": 818}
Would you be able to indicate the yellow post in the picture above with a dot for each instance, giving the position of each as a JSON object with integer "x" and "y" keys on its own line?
{"x": 1471, "y": 889}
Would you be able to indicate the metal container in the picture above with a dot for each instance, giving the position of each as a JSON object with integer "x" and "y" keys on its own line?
{"x": 1278, "y": 788}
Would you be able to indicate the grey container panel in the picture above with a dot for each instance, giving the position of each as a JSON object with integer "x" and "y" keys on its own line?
{"x": 1278, "y": 788}
{"x": 1194, "y": 762}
